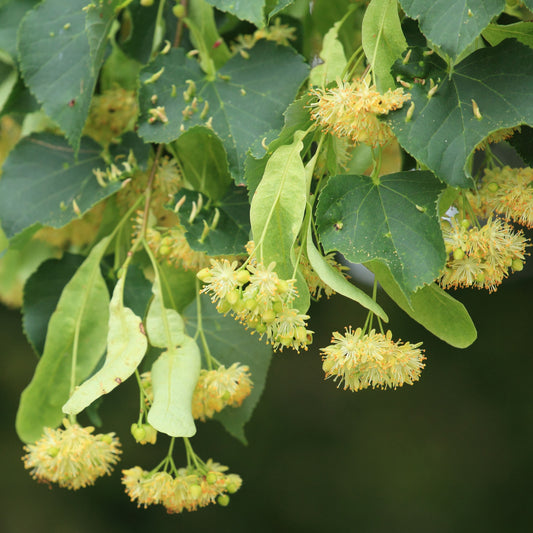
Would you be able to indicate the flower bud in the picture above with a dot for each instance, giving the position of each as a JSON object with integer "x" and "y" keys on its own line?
{"x": 195, "y": 491}
{"x": 223, "y": 500}
{"x": 517, "y": 265}
{"x": 242, "y": 277}
{"x": 204, "y": 275}
{"x": 458, "y": 254}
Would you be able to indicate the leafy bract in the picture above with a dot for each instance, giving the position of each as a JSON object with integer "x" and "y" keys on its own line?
{"x": 203, "y": 161}
{"x": 41, "y": 294}
{"x": 229, "y": 343}
{"x": 250, "y": 10}
{"x": 452, "y": 24}
{"x": 277, "y": 212}
{"x": 126, "y": 346}
{"x": 521, "y": 31}
{"x": 174, "y": 377}
{"x": 42, "y": 179}
{"x": 332, "y": 55}
{"x": 383, "y": 40}
{"x": 332, "y": 277}
{"x": 77, "y": 328}
{"x": 394, "y": 221}
{"x": 60, "y": 55}
{"x": 219, "y": 228}
{"x": 178, "y": 286}
{"x": 432, "y": 307}
{"x": 444, "y": 129}
{"x": 164, "y": 327}
{"x": 243, "y": 103}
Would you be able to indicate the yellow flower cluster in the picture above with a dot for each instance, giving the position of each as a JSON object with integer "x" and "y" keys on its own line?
{"x": 497, "y": 136}
{"x": 220, "y": 388}
{"x": 258, "y": 298}
{"x": 508, "y": 192}
{"x": 351, "y": 110}
{"x": 186, "y": 491}
{"x": 72, "y": 457}
{"x": 480, "y": 256}
{"x": 361, "y": 360}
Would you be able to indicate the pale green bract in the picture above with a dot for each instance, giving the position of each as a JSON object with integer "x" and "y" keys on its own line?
{"x": 174, "y": 378}
{"x": 126, "y": 346}
{"x": 159, "y": 319}
{"x": 80, "y": 319}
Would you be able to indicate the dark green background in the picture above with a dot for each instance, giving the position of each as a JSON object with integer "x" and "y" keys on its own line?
{"x": 449, "y": 454}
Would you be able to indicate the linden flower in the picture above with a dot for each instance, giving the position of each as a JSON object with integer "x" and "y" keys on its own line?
{"x": 219, "y": 388}
{"x": 509, "y": 192}
{"x": 189, "y": 489}
{"x": 72, "y": 457}
{"x": 373, "y": 359}
{"x": 220, "y": 279}
{"x": 351, "y": 110}
{"x": 481, "y": 257}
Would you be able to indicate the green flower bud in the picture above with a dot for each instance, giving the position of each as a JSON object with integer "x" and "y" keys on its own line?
{"x": 147, "y": 3}
{"x": 268, "y": 316}
{"x": 138, "y": 432}
{"x": 327, "y": 365}
{"x": 458, "y": 254}
{"x": 179, "y": 11}
{"x": 283, "y": 286}
{"x": 493, "y": 187}
{"x": 232, "y": 488}
{"x": 233, "y": 297}
{"x": 242, "y": 277}
{"x": 277, "y": 306}
{"x": 517, "y": 265}
{"x": 250, "y": 304}
{"x": 204, "y": 275}
{"x": 211, "y": 478}
{"x": 223, "y": 500}
{"x": 195, "y": 491}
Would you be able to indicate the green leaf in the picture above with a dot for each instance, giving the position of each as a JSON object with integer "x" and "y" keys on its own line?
{"x": 432, "y": 307}
{"x": 229, "y": 343}
{"x": 60, "y": 57}
{"x": 41, "y": 179}
{"x": 250, "y": 10}
{"x": 522, "y": 142}
{"x": 41, "y": 294}
{"x": 203, "y": 161}
{"x": 395, "y": 221}
{"x": 521, "y": 31}
{"x": 10, "y": 16}
{"x": 137, "y": 291}
{"x": 338, "y": 282}
{"x": 178, "y": 286}
{"x": 80, "y": 320}
{"x": 229, "y": 216}
{"x": 242, "y": 104}
{"x": 277, "y": 212}
{"x": 8, "y": 81}
{"x": 20, "y": 100}
{"x": 332, "y": 54}
{"x": 443, "y": 130}
{"x": 126, "y": 346}
{"x": 164, "y": 327}
{"x": 452, "y": 24}
{"x": 383, "y": 40}
{"x": 174, "y": 377}
{"x": 204, "y": 34}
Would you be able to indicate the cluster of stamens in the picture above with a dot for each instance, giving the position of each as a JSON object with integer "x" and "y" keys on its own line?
{"x": 361, "y": 360}
{"x": 258, "y": 298}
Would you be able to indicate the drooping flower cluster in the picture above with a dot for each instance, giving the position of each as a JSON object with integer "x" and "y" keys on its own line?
{"x": 351, "y": 110}
{"x": 220, "y": 388}
{"x": 508, "y": 192}
{"x": 497, "y": 136}
{"x": 480, "y": 256}
{"x": 361, "y": 360}
{"x": 258, "y": 298}
{"x": 187, "y": 490}
{"x": 278, "y": 33}
{"x": 72, "y": 457}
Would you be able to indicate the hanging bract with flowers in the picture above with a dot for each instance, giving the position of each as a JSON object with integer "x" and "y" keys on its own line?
{"x": 182, "y": 180}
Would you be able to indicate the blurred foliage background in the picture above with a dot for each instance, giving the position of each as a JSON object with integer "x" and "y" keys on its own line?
{"x": 450, "y": 454}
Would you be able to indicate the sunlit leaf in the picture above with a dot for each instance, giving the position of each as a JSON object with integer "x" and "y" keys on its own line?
{"x": 126, "y": 346}
{"x": 174, "y": 377}
{"x": 277, "y": 211}
{"x": 383, "y": 40}
{"x": 164, "y": 327}
{"x": 79, "y": 322}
